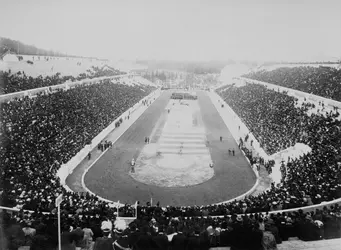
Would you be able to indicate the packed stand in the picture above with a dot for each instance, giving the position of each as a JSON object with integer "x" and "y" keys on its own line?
{"x": 277, "y": 123}
{"x": 312, "y": 179}
{"x": 322, "y": 81}
{"x": 151, "y": 230}
{"x": 271, "y": 116}
{"x": 38, "y": 135}
{"x": 20, "y": 81}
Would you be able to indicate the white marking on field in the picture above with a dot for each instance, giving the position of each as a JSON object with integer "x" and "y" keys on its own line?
{"x": 181, "y": 156}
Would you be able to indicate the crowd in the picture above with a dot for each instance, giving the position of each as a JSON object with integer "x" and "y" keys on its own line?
{"x": 20, "y": 81}
{"x": 322, "y": 81}
{"x": 278, "y": 123}
{"x": 42, "y": 133}
{"x": 38, "y": 135}
{"x": 103, "y": 231}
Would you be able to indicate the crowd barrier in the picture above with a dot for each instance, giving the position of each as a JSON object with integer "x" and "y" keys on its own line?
{"x": 65, "y": 86}
{"x": 67, "y": 169}
{"x": 296, "y": 93}
{"x": 304, "y": 209}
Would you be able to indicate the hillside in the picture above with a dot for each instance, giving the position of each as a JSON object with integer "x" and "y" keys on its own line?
{"x": 22, "y": 48}
{"x": 18, "y": 47}
{"x": 48, "y": 68}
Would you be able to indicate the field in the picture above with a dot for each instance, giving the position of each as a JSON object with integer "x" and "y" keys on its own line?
{"x": 111, "y": 178}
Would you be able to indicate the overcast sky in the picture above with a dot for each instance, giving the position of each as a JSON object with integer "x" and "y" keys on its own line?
{"x": 178, "y": 29}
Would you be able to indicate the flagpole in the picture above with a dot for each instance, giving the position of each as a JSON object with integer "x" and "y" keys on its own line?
{"x": 118, "y": 202}
{"x": 135, "y": 209}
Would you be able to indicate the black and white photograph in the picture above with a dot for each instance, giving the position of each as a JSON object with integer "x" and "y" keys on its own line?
{"x": 170, "y": 125}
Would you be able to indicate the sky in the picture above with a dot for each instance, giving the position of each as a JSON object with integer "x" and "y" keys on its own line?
{"x": 263, "y": 30}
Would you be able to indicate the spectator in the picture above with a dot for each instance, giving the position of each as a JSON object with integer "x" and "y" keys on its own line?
{"x": 161, "y": 240}
{"x": 273, "y": 117}
{"x": 20, "y": 81}
{"x": 322, "y": 81}
{"x": 105, "y": 242}
{"x": 88, "y": 236}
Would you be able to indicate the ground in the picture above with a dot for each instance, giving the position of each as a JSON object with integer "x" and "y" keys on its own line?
{"x": 178, "y": 155}
{"x": 110, "y": 176}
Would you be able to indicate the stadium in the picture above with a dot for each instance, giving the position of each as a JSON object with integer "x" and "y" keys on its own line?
{"x": 172, "y": 154}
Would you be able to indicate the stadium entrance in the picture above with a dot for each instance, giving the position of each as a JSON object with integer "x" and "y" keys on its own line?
{"x": 184, "y": 96}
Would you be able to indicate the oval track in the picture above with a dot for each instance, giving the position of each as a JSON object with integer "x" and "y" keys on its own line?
{"x": 109, "y": 176}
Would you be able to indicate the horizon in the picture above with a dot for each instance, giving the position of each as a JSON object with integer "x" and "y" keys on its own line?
{"x": 267, "y": 31}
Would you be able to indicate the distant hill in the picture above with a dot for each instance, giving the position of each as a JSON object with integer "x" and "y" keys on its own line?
{"x": 21, "y": 48}
{"x": 208, "y": 67}
{"x": 18, "y": 47}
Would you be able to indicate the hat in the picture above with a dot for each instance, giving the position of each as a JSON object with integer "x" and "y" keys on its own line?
{"x": 106, "y": 226}
{"x": 197, "y": 230}
{"x": 120, "y": 226}
{"x": 318, "y": 223}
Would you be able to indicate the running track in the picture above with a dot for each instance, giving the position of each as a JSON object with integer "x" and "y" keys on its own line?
{"x": 109, "y": 176}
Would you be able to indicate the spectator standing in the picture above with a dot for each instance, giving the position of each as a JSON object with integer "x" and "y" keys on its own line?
{"x": 121, "y": 240}
{"x": 29, "y": 233}
{"x": 67, "y": 239}
{"x": 78, "y": 236}
{"x": 104, "y": 243}
{"x": 161, "y": 239}
{"x": 268, "y": 241}
{"x": 179, "y": 241}
{"x": 88, "y": 236}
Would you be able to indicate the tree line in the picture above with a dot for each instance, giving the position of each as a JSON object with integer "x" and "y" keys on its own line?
{"x": 17, "y": 47}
